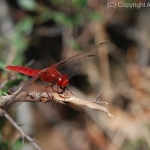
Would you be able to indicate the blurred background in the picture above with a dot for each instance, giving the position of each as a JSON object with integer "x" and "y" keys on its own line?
{"x": 38, "y": 33}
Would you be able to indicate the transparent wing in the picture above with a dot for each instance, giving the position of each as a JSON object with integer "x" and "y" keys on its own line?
{"x": 18, "y": 98}
{"x": 79, "y": 63}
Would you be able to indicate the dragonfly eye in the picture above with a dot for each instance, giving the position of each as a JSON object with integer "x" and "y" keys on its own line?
{"x": 63, "y": 80}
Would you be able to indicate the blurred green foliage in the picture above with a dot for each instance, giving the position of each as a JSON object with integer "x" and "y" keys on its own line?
{"x": 129, "y": 1}
{"x": 68, "y": 14}
{"x": 27, "y": 4}
{"x": 140, "y": 144}
{"x": 17, "y": 145}
{"x": 79, "y": 3}
{"x": 10, "y": 84}
{"x": 6, "y": 145}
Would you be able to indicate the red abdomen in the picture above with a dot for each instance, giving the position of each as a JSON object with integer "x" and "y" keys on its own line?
{"x": 24, "y": 70}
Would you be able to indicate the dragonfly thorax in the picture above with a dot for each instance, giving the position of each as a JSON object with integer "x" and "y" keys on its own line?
{"x": 63, "y": 80}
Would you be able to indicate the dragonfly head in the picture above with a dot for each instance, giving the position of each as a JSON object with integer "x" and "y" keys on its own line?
{"x": 63, "y": 80}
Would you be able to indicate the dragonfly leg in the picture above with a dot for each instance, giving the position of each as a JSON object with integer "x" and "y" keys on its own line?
{"x": 51, "y": 88}
{"x": 60, "y": 92}
{"x": 69, "y": 90}
{"x": 63, "y": 90}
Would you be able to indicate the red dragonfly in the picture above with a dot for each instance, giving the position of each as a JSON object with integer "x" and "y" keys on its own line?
{"x": 59, "y": 73}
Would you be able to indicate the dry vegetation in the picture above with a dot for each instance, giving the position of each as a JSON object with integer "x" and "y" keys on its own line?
{"x": 122, "y": 77}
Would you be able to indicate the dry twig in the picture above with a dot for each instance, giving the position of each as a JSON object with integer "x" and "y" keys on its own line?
{"x": 63, "y": 99}
{"x": 6, "y": 115}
